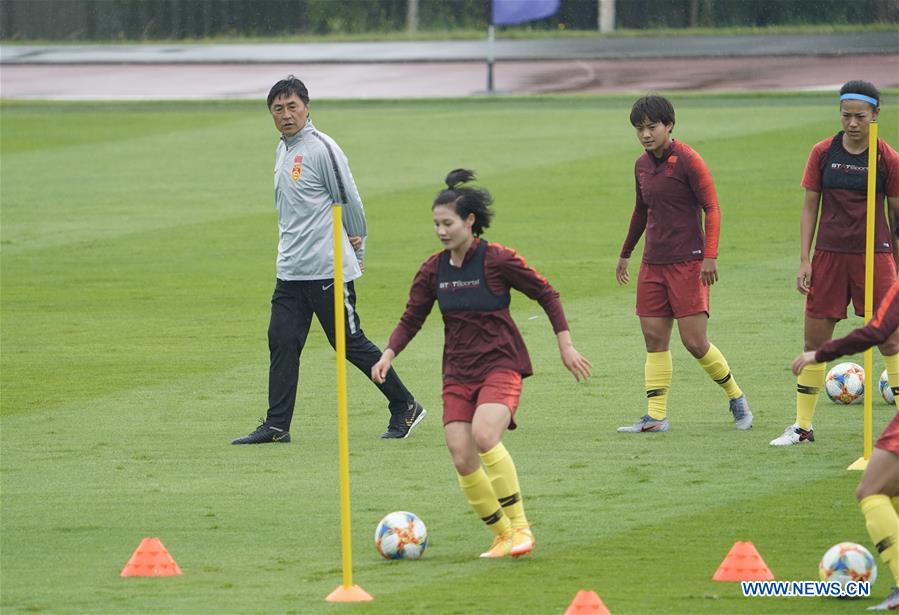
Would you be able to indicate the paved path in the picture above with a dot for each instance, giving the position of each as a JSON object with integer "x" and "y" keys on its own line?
{"x": 449, "y": 68}
{"x": 461, "y": 51}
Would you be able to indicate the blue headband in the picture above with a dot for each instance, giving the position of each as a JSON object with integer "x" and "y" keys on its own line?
{"x": 867, "y": 99}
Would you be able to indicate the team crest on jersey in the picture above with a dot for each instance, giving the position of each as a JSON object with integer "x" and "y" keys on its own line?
{"x": 297, "y": 168}
{"x": 669, "y": 168}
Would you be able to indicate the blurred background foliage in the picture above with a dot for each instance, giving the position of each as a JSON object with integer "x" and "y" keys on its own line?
{"x": 142, "y": 20}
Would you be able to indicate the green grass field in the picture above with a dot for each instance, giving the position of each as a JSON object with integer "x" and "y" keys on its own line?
{"x": 138, "y": 246}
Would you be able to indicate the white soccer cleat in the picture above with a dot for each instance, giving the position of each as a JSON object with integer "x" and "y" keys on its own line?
{"x": 645, "y": 424}
{"x": 794, "y": 434}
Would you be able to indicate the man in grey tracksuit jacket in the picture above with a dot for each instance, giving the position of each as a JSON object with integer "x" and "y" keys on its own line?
{"x": 311, "y": 174}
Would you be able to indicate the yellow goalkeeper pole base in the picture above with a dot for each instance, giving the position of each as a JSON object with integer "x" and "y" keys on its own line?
{"x": 859, "y": 464}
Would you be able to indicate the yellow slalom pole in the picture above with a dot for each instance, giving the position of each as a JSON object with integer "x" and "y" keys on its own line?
{"x": 347, "y": 592}
{"x": 862, "y": 462}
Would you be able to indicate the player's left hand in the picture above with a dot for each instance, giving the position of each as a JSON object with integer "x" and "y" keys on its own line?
{"x": 621, "y": 273}
{"x": 576, "y": 363}
{"x": 355, "y": 241}
{"x": 802, "y": 360}
{"x": 708, "y": 273}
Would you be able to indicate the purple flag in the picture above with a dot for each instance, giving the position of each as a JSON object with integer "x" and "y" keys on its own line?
{"x": 507, "y": 12}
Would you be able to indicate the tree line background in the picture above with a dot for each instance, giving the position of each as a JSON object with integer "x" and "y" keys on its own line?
{"x": 135, "y": 20}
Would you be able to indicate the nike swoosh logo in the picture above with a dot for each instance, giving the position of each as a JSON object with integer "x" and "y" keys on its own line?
{"x": 279, "y": 437}
{"x": 328, "y": 286}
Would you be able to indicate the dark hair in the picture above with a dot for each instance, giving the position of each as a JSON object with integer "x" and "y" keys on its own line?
{"x": 654, "y": 109}
{"x": 288, "y": 87}
{"x": 865, "y": 88}
{"x": 466, "y": 200}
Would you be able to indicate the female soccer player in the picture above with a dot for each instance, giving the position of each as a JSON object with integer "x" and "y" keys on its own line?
{"x": 484, "y": 356}
{"x": 674, "y": 190}
{"x": 836, "y": 186}
{"x": 878, "y": 490}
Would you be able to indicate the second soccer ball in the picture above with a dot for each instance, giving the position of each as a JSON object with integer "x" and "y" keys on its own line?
{"x": 401, "y": 535}
{"x": 845, "y": 383}
{"x": 846, "y": 562}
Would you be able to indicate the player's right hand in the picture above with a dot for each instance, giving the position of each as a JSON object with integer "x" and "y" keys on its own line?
{"x": 621, "y": 271}
{"x": 804, "y": 278}
{"x": 802, "y": 360}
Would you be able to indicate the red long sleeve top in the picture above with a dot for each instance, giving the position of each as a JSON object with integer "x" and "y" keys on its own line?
{"x": 478, "y": 342}
{"x": 672, "y": 193}
{"x": 842, "y": 180}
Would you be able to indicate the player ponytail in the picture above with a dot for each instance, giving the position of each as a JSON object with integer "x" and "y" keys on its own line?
{"x": 466, "y": 200}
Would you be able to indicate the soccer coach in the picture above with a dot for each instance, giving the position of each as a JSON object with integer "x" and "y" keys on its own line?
{"x": 311, "y": 174}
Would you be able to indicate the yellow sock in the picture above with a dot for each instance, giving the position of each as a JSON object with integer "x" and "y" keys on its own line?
{"x": 477, "y": 488}
{"x": 715, "y": 365}
{"x": 504, "y": 478}
{"x": 883, "y": 528}
{"x": 657, "y": 376}
{"x": 895, "y": 501}
{"x": 808, "y": 383}
{"x": 892, "y": 365}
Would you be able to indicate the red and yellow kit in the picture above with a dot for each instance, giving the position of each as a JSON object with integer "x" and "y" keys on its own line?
{"x": 674, "y": 194}
{"x": 838, "y": 265}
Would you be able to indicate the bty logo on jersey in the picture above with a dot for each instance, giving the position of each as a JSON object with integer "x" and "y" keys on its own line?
{"x": 455, "y": 285}
{"x": 297, "y": 168}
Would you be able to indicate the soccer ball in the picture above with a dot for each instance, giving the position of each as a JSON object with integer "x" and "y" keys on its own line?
{"x": 401, "y": 535}
{"x": 885, "y": 389}
{"x": 845, "y": 383}
{"x": 847, "y": 561}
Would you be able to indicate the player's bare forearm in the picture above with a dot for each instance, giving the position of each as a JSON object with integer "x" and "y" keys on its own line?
{"x": 807, "y": 222}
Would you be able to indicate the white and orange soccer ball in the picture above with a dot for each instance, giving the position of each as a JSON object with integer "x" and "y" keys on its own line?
{"x": 401, "y": 535}
{"x": 845, "y": 383}
{"x": 846, "y": 562}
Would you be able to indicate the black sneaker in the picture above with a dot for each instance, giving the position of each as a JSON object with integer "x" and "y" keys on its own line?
{"x": 401, "y": 425}
{"x": 263, "y": 434}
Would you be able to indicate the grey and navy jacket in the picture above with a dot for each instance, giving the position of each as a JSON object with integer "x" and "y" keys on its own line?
{"x": 312, "y": 174}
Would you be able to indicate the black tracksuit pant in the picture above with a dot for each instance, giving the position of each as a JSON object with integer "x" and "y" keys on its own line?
{"x": 293, "y": 304}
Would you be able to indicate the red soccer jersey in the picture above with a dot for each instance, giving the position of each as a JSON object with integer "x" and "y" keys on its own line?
{"x": 478, "y": 342}
{"x": 672, "y": 194}
{"x": 842, "y": 180}
{"x": 875, "y": 332}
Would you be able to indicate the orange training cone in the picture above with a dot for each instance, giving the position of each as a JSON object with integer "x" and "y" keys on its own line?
{"x": 151, "y": 559}
{"x": 743, "y": 563}
{"x": 587, "y": 601}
